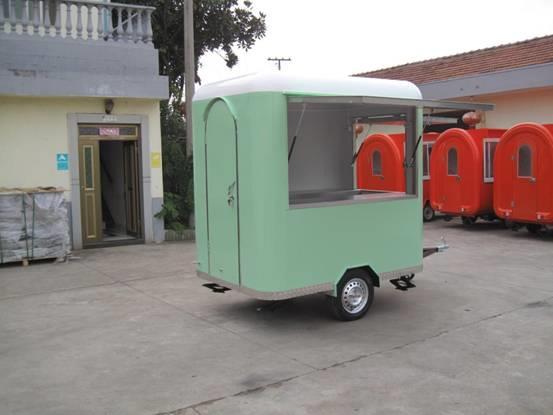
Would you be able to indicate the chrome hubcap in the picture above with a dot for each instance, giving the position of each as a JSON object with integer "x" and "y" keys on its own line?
{"x": 355, "y": 295}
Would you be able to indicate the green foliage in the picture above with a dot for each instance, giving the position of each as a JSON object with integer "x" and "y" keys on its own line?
{"x": 177, "y": 170}
{"x": 219, "y": 25}
{"x": 171, "y": 211}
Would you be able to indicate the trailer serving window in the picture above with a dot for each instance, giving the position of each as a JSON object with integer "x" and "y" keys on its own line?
{"x": 490, "y": 145}
{"x": 426, "y": 152}
{"x": 323, "y": 149}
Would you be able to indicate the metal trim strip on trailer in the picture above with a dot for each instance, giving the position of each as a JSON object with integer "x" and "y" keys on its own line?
{"x": 372, "y": 198}
{"x": 267, "y": 295}
{"x": 400, "y": 272}
{"x": 425, "y": 103}
{"x": 327, "y": 288}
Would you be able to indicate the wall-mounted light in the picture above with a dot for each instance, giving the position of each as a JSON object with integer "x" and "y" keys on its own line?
{"x": 108, "y": 105}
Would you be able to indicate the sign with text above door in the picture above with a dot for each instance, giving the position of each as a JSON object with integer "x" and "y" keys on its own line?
{"x": 109, "y": 131}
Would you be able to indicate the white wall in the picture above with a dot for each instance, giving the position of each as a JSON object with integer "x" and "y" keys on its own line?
{"x": 524, "y": 106}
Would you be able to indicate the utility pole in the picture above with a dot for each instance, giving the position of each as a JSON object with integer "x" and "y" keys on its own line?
{"x": 189, "y": 69}
{"x": 279, "y": 60}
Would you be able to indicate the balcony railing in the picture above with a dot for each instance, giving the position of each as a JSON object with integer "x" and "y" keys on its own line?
{"x": 77, "y": 19}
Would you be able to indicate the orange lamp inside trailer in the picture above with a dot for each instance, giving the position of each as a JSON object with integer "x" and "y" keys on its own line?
{"x": 524, "y": 174}
{"x": 462, "y": 173}
{"x": 380, "y": 165}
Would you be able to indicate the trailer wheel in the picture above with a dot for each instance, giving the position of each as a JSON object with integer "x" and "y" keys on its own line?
{"x": 468, "y": 220}
{"x": 427, "y": 212}
{"x": 355, "y": 293}
{"x": 533, "y": 228}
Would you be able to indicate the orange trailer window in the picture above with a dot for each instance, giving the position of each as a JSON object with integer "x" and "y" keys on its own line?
{"x": 426, "y": 152}
{"x": 377, "y": 163}
{"x": 452, "y": 168}
{"x": 489, "y": 154}
{"x": 524, "y": 161}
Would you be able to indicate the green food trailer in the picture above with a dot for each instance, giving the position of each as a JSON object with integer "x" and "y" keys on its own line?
{"x": 277, "y": 211}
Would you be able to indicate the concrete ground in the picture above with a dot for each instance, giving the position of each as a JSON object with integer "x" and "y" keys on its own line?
{"x": 130, "y": 330}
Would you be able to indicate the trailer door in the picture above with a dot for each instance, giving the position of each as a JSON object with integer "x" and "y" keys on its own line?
{"x": 451, "y": 190}
{"x": 525, "y": 155}
{"x": 222, "y": 193}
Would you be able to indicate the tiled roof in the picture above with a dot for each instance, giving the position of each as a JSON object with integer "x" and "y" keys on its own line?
{"x": 513, "y": 55}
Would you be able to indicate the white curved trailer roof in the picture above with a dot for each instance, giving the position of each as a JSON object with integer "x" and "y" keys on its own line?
{"x": 309, "y": 85}
{"x": 352, "y": 89}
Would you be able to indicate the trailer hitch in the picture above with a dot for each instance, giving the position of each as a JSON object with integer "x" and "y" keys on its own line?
{"x": 434, "y": 249}
{"x": 216, "y": 288}
{"x": 403, "y": 283}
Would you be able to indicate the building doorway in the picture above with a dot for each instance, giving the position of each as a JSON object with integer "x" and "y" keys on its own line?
{"x": 109, "y": 171}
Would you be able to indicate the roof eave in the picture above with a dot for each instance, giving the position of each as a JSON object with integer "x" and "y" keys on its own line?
{"x": 527, "y": 77}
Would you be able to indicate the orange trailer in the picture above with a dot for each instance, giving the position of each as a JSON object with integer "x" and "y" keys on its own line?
{"x": 380, "y": 165}
{"x": 524, "y": 176}
{"x": 462, "y": 173}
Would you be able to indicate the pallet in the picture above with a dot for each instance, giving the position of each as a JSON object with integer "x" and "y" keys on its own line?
{"x": 25, "y": 262}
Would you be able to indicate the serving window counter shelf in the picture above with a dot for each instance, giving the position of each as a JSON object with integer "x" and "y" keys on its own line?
{"x": 278, "y": 212}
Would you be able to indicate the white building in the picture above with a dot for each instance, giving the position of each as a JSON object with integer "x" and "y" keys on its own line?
{"x": 79, "y": 109}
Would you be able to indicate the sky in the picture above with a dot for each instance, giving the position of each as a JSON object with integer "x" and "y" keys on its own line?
{"x": 338, "y": 38}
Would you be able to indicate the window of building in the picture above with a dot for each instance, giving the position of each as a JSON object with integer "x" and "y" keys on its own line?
{"x": 377, "y": 163}
{"x": 490, "y": 145}
{"x": 452, "y": 169}
{"x": 426, "y": 152}
{"x": 524, "y": 161}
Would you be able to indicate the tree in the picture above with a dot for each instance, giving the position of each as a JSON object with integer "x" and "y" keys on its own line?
{"x": 219, "y": 25}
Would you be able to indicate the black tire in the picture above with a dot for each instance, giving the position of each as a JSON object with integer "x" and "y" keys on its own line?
{"x": 428, "y": 213}
{"x": 359, "y": 281}
{"x": 508, "y": 224}
{"x": 533, "y": 228}
{"x": 468, "y": 220}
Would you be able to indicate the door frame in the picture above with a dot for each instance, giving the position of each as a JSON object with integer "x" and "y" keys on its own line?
{"x": 73, "y": 121}
{"x": 232, "y": 113}
{"x": 97, "y": 140}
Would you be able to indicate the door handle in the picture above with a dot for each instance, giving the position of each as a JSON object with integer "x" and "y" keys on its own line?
{"x": 230, "y": 196}
{"x": 230, "y": 189}
{"x": 532, "y": 180}
{"x": 458, "y": 178}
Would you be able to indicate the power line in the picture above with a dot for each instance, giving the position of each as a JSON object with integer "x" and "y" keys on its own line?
{"x": 279, "y": 60}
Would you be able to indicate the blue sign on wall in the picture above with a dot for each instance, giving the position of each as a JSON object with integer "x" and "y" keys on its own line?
{"x": 62, "y": 161}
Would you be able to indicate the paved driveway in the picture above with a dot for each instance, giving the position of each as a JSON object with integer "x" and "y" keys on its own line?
{"x": 130, "y": 330}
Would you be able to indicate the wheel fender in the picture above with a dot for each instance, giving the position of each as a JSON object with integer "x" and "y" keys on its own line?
{"x": 374, "y": 276}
